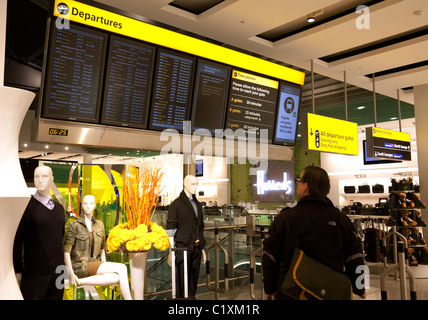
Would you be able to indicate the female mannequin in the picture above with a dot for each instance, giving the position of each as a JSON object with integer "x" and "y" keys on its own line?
{"x": 84, "y": 253}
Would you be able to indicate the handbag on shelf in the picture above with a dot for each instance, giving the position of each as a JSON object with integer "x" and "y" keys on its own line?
{"x": 378, "y": 188}
{"x": 309, "y": 276}
{"x": 349, "y": 189}
{"x": 365, "y": 188}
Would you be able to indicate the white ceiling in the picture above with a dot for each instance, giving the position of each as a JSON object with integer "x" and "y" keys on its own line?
{"x": 238, "y": 22}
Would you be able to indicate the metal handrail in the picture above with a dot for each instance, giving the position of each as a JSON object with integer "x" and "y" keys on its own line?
{"x": 252, "y": 273}
{"x": 391, "y": 233}
{"x": 403, "y": 268}
{"x": 253, "y": 267}
{"x": 216, "y": 245}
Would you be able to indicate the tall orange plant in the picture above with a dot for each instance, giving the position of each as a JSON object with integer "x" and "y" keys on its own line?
{"x": 140, "y": 195}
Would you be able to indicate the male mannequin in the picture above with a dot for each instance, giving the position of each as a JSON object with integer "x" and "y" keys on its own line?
{"x": 98, "y": 272}
{"x": 40, "y": 234}
{"x": 185, "y": 226}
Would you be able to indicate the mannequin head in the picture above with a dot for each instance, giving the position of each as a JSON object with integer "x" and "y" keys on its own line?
{"x": 43, "y": 179}
{"x": 190, "y": 184}
{"x": 88, "y": 204}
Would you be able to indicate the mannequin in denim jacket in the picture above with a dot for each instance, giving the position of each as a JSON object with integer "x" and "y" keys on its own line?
{"x": 108, "y": 272}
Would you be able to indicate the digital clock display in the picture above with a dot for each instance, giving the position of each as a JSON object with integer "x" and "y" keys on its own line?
{"x": 58, "y": 132}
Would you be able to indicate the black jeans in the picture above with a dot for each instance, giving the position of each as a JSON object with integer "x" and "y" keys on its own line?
{"x": 193, "y": 266}
{"x": 42, "y": 287}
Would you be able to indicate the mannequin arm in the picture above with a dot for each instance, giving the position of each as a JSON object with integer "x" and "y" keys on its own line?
{"x": 103, "y": 255}
{"x": 74, "y": 280}
{"x": 171, "y": 245}
{"x": 204, "y": 256}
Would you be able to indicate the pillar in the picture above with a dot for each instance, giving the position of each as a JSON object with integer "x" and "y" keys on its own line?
{"x": 421, "y": 118}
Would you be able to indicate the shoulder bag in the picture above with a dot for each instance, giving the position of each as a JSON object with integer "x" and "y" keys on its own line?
{"x": 308, "y": 276}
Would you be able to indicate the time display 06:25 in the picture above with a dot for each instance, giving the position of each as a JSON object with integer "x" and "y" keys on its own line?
{"x": 58, "y": 132}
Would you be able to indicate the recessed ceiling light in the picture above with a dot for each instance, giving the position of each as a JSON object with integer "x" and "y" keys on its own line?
{"x": 311, "y": 19}
{"x": 361, "y": 107}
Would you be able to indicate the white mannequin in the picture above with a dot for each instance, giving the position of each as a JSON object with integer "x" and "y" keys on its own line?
{"x": 43, "y": 179}
{"x": 108, "y": 272}
{"x": 190, "y": 184}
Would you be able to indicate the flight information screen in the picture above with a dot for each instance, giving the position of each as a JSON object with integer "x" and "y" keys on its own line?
{"x": 74, "y": 74}
{"x": 252, "y": 103}
{"x": 172, "y": 90}
{"x": 128, "y": 83}
{"x": 210, "y": 96}
{"x": 288, "y": 114}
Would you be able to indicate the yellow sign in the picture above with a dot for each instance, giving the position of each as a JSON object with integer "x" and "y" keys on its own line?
{"x": 255, "y": 79}
{"x": 390, "y": 134}
{"x": 112, "y": 22}
{"x": 326, "y": 134}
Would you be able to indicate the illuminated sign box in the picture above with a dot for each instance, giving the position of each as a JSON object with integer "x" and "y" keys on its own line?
{"x": 326, "y": 134}
{"x": 276, "y": 184}
{"x": 119, "y": 24}
{"x": 388, "y": 144}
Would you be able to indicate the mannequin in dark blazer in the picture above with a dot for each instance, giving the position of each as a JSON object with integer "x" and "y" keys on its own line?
{"x": 185, "y": 226}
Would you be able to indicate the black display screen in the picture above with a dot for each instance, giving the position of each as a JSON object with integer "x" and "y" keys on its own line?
{"x": 252, "y": 103}
{"x": 128, "y": 83}
{"x": 74, "y": 74}
{"x": 172, "y": 90}
{"x": 210, "y": 97}
{"x": 368, "y": 160}
{"x": 288, "y": 114}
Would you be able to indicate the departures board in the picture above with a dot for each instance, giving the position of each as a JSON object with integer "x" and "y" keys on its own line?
{"x": 74, "y": 77}
{"x": 104, "y": 78}
{"x": 210, "y": 98}
{"x": 128, "y": 83}
{"x": 172, "y": 90}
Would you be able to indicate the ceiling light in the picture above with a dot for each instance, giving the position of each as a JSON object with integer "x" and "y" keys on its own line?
{"x": 361, "y": 107}
{"x": 394, "y": 118}
{"x": 25, "y": 145}
{"x": 311, "y": 17}
{"x": 47, "y": 146}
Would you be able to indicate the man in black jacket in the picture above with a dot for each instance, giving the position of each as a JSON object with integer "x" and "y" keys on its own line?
{"x": 317, "y": 228}
{"x": 185, "y": 223}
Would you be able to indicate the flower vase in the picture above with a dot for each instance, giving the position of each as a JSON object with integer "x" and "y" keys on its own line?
{"x": 137, "y": 266}
{"x": 14, "y": 194}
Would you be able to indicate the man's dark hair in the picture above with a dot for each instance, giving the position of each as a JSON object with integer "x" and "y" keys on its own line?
{"x": 317, "y": 180}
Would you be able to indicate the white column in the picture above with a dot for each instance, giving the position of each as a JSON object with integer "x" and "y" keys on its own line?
{"x": 3, "y": 11}
{"x": 421, "y": 116}
{"x": 14, "y": 193}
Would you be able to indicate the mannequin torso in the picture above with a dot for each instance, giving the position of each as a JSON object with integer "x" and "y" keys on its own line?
{"x": 40, "y": 233}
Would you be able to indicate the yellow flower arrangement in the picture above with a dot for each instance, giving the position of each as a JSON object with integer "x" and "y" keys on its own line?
{"x": 140, "y": 194}
{"x": 142, "y": 238}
